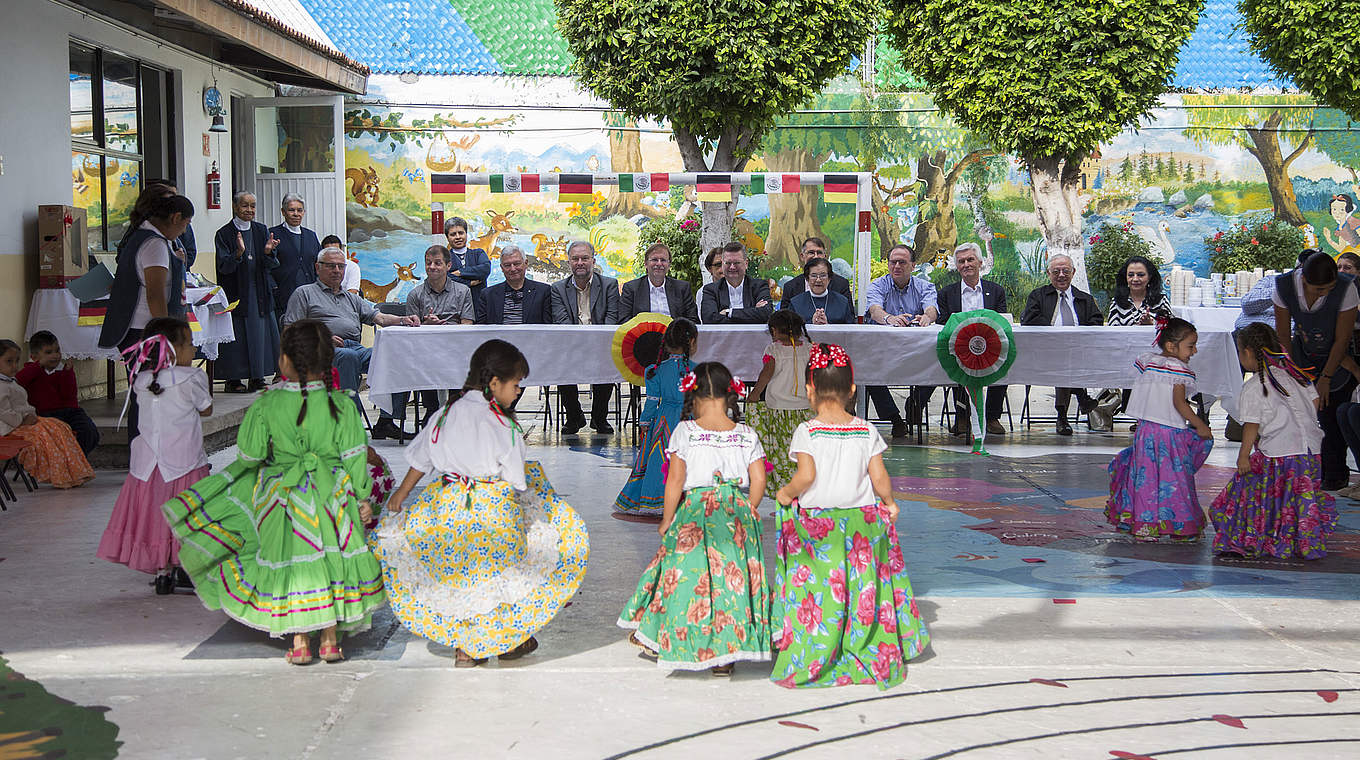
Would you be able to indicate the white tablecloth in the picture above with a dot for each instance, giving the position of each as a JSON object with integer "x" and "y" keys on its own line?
{"x": 1214, "y": 318}
{"x": 56, "y": 311}
{"x": 435, "y": 357}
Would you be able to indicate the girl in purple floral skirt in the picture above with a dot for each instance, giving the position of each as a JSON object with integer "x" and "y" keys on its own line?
{"x": 1152, "y": 482}
{"x": 1275, "y": 505}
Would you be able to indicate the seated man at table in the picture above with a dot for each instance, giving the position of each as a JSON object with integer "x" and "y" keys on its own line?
{"x": 437, "y": 300}
{"x": 813, "y": 248}
{"x": 736, "y": 299}
{"x": 344, "y": 313}
{"x": 970, "y": 293}
{"x": 657, "y": 291}
{"x": 1059, "y": 303}
{"x": 518, "y": 300}
{"x": 585, "y": 298}
{"x": 901, "y": 299}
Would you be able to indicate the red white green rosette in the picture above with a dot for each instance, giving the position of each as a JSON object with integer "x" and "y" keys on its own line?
{"x": 976, "y": 349}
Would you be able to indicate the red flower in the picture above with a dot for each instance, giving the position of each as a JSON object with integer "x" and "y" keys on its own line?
{"x": 815, "y": 669}
{"x": 681, "y": 634}
{"x": 887, "y": 617}
{"x": 1254, "y": 241}
{"x": 1218, "y": 235}
{"x": 809, "y": 614}
{"x": 870, "y": 513}
{"x": 665, "y": 641}
{"x": 733, "y": 575}
{"x": 670, "y": 580}
{"x": 818, "y": 527}
{"x": 705, "y": 655}
{"x": 755, "y": 574}
{"x": 1218, "y": 248}
{"x": 864, "y": 611}
{"x": 844, "y": 680}
{"x": 860, "y": 554}
{"x": 689, "y": 537}
{"x": 837, "y": 582}
{"x": 801, "y": 575}
{"x": 785, "y": 637}
{"x": 698, "y": 611}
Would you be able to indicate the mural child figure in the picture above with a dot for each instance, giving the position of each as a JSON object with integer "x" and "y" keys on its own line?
{"x": 702, "y": 603}
{"x": 785, "y": 404}
{"x": 488, "y": 554}
{"x": 645, "y": 490}
{"x": 1347, "y": 234}
{"x": 1275, "y": 505}
{"x": 1152, "y": 482}
{"x": 844, "y": 600}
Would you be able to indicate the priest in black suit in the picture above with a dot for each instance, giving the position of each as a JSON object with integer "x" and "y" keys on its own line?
{"x": 814, "y": 248}
{"x": 1059, "y": 303}
{"x": 970, "y": 293}
{"x": 657, "y": 291}
{"x": 296, "y": 252}
{"x": 736, "y": 299}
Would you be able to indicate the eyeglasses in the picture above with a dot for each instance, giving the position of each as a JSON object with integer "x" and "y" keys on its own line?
{"x": 1061, "y": 271}
{"x": 333, "y": 264}
{"x": 818, "y": 276}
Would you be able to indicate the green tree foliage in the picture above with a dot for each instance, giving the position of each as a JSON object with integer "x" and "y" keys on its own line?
{"x": 1049, "y": 80}
{"x": 1312, "y": 42}
{"x": 1126, "y": 170}
{"x": 1257, "y": 123}
{"x": 1338, "y": 136}
{"x": 721, "y": 73}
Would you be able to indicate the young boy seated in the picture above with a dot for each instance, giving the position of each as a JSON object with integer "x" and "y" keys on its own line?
{"x": 51, "y": 388}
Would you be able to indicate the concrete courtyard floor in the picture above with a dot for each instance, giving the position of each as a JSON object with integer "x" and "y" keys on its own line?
{"x": 1053, "y": 637}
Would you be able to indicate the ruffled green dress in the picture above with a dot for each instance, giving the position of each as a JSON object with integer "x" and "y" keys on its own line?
{"x": 275, "y": 540}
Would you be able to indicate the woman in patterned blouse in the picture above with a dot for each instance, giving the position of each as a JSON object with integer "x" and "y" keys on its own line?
{"x": 1138, "y": 297}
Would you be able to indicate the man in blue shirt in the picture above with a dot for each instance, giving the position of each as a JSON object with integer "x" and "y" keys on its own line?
{"x": 902, "y": 300}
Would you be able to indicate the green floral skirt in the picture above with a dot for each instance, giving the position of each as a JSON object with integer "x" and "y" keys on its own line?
{"x": 702, "y": 602}
{"x": 844, "y": 603}
{"x": 775, "y": 428}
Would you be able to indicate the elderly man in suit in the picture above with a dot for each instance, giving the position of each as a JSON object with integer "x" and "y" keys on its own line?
{"x": 518, "y": 300}
{"x": 657, "y": 291}
{"x": 736, "y": 299}
{"x": 1061, "y": 304}
{"x": 585, "y": 298}
{"x": 970, "y": 293}
{"x": 813, "y": 248}
{"x": 297, "y": 251}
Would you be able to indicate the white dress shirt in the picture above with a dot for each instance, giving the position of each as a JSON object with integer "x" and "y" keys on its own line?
{"x": 734, "y": 300}
{"x": 971, "y": 298}
{"x": 658, "y": 297}
{"x": 1057, "y": 308}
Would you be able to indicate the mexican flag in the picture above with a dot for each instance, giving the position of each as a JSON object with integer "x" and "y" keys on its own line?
{"x": 514, "y": 183}
{"x": 762, "y": 184}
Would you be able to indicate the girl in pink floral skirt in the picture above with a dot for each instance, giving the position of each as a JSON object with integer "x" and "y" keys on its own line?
{"x": 1275, "y": 505}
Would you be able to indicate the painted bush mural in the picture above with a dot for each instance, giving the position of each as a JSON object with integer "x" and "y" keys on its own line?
{"x": 1198, "y": 165}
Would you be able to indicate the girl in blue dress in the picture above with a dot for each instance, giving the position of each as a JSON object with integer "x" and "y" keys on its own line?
{"x": 642, "y": 494}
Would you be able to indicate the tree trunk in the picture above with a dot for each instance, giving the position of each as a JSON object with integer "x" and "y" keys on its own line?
{"x": 935, "y": 238}
{"x": 793, "y": 217}
{"x": 1056, "y": 185}
{"x": 730, "y": 156}
{"x": 889, "y": 231}
{"x": 625, "y": 155}
{"x": 1266, "y": 148}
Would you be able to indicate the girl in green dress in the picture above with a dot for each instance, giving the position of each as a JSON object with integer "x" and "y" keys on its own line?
{"x": 702, "y": 602}
{"x": 844, "y": 611}
{"x": 778, "y": 402}
{"x": 276, "y": 541}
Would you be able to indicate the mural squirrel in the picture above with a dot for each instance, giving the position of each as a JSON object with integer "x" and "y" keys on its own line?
{"x": 365, "y": 187}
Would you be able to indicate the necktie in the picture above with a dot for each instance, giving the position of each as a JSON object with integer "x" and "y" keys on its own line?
{"x": 1066, "y": 316}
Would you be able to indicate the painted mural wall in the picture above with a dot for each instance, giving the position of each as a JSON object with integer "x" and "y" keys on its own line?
{"x": 1200, "y": 164}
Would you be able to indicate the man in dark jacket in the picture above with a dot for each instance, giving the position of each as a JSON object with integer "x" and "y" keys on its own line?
{"x": 970, "y": 293}
{"x": 657, "y": 291}
{"x": 736, "y": 299}
{"x": 518, "y": 300}
{"x": 298, "y": 247}
{"x": 585, "y": 298}
{"x": 1060, "y": 304}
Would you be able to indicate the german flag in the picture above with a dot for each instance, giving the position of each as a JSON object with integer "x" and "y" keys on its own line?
{"x": 92, "y": 314}
{"x": 839, "y": 188}
{"x": 575, "y": 188}
{"x": 714, "y": 187}
{"x": 448, "y": 187}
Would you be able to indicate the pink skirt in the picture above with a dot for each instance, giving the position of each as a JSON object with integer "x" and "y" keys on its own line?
{"x": 138, "y": 535}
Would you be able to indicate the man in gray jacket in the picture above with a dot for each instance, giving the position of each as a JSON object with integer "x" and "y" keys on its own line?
{"x": 585, "y": 298}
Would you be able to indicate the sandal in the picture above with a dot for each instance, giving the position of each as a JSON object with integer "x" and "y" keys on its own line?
{"x": 646, "y": 650}
{"x": 723, "y": 671}
{"x": 464, "y": 660}
{"x": 331, "y": 653}
{"x": 527, "y": 647}
{"x": 299, "y": 656}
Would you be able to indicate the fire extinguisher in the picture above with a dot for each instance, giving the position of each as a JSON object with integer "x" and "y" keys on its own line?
{"x": 214, "y": 187}
{"x": 437, "y": 219}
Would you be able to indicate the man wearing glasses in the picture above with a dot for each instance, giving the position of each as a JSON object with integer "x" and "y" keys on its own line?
{"x": 900, "y": 299}
{"x": 657, "y": 291}
{"x": 518, "y": 300}
{"x": 1059, "y": 304}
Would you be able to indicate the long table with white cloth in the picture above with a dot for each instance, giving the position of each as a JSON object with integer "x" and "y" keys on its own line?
{"x": 436, "y": 357}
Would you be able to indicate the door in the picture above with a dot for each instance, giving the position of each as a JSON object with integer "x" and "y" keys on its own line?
{"x": 298, "y": 146}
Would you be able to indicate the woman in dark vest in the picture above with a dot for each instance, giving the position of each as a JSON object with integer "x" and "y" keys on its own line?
{"x": 149, "y": 281}
{"x": 1315, "y": 309}
{"x": 245, "y": 258}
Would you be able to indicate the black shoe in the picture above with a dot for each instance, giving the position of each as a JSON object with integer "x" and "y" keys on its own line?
{"x": 257, "y": 385}
{"x": 386, "y": 428}
{"x": 1334, "y": 485}
{"x": 573, "y": 426}
{"x": 900, "y": 429}
{"x": 182, "y": 579}
{"x": 603, "y": 427}
{"x": 164, "y": 584}
{"x": 1087, "y": 405}
{"x": 1064, "y": 428}
{"x": 236, "y": 386}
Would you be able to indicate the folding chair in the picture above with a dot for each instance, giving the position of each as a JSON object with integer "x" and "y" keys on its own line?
{"x": 10, "y": 446}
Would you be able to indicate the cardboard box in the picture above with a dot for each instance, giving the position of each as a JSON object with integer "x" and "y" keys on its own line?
{"x": 63, "y": 245}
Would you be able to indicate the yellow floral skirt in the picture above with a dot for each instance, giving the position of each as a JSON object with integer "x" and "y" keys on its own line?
{"x": 473, "y": 565}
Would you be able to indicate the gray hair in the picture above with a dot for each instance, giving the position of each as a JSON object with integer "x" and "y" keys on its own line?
{"x": 580, "y": 244}
{"x": 240, "y": 196}
{"x": 332, "y": 249}
{"x": 289, "y": 198}
{"x": 1057, "y": 256}
{"x": 455, "y": 221}
{"x": 974, "y": 247}
{"x": 511, "y": 250}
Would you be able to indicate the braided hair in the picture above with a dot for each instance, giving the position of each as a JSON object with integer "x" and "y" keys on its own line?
{"x": 788, "y": 322}
{"x": 173, "y": 329}
{"x": 1262, "y": 341}
{"x": 713, "y": 380}
{"x": 679, "y": 336}
{"x": 307, "y": 344}
{"x": 493, "y": 359}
